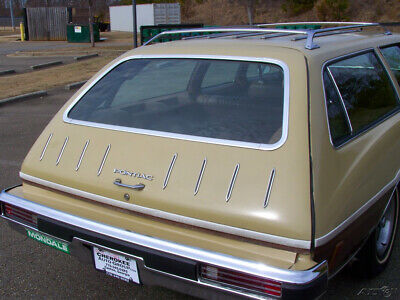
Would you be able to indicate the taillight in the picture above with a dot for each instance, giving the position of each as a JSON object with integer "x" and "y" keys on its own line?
{"x": 20, "y": 214}
{"x": 240, "y": 280}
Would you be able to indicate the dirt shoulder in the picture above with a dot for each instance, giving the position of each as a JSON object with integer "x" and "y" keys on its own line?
{"x": 49, "y": 78}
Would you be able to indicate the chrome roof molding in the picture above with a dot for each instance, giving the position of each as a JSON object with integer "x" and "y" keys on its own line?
{"x": 265, "y": 237}
{"x": 258, "y": 146}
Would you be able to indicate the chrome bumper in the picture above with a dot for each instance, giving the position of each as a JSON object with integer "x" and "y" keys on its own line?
{"x": 84, "y": 233}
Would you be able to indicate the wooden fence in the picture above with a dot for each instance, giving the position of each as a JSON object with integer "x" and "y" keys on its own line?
{"x": 47, "y": 23}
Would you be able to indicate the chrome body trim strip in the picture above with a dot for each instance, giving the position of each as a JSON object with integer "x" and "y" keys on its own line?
{"x": 171, "y": 166}
{"x": 269, "y": 189}
{"x": 62, "y": 150}
{"x": 289, "y": 242}
{"x": 203, "y": 166}
{"x": 180, "y": 250}
{"x": 232, "y": 184}
{"x": 82, "y": 155}
{"x": 341, "y": 100}
{"x": 338, "y": 229}
{"x": 258, "y": 146}
{"x": 45, "y": 146}
{"x": 104, "y": 160}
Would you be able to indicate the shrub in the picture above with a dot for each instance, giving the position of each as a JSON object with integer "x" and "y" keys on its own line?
{"x": 335, "y": 10}
{"x": 296, "y": 7}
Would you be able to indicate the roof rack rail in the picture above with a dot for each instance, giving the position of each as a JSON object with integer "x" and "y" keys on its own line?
{"x": 214, "y": 30}
{"x": 260, "y": 28}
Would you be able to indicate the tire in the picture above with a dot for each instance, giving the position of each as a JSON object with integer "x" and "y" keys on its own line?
{"x": 375, "y": 255}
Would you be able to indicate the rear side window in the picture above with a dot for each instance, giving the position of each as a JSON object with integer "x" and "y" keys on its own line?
{"x": 364, "y": 90}
{"x": 392, "y": 56}
{"x": 192, "y": 97}
{"x": 338, "y": 122}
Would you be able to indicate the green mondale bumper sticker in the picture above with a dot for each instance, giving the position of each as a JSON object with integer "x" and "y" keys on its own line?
{"x": 48, "y": 241}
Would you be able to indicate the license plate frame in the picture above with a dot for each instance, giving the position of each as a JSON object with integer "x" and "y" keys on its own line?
{"x": 116, "y": 265}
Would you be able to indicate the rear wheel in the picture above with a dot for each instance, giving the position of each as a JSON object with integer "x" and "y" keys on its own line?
{"x": 375, "y": 254}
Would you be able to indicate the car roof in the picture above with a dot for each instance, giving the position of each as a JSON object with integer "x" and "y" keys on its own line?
{"x": 330, "y": 46}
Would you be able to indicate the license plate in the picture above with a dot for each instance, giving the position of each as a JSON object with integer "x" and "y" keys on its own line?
{"x": 47, "y": 240}
{"x": 116, "y": 265}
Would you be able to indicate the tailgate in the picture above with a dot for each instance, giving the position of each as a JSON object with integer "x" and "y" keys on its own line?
{"x": 254, "y": 192}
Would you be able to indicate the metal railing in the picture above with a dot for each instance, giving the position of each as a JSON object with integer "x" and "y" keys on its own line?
{"x": 261, "y": 29}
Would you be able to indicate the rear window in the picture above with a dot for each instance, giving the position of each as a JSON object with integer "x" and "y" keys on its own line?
{"x": 197, "y": 97}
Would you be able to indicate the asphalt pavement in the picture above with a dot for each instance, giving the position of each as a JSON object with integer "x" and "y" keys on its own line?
{"x": 23, "y": 64}
{"x": 29, "y": 269}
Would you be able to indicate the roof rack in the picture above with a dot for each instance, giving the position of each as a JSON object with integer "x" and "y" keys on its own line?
{"x": 261, "y": 29}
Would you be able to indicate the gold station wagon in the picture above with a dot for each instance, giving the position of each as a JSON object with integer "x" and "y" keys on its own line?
{"x": 247, "y": 162}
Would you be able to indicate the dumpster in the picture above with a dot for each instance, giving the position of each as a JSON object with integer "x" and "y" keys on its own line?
{"x": 81, "y": 33}
{"x": 299, "y": 26}
{"x": 149, "y": 31}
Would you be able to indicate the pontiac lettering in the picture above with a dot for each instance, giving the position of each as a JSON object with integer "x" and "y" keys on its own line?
{"x": 134, "y": 174}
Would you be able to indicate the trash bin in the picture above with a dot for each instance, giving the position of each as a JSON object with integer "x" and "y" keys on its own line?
{"x": 81, "y": 33}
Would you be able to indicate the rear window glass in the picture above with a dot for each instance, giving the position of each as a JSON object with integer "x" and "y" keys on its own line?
{"x": 392, "y": 56}
{"x": 365, "y": 88}
{"x": 197, "y": 97}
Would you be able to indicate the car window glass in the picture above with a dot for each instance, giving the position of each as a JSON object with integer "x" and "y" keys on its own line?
{"x": 365, "y": 88}
{"x": 219, "y": 73}
{"x": 258, "y": 70}
{"x": 154, "y": 80}
{"x": 338, "y": 126}
{"x": 166, "y": 95}
{"x": 392, "y": 56}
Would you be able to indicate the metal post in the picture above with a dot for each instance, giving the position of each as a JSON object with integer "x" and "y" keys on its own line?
{"x": 135, "y": 39}
{"x": 12, "y": 15}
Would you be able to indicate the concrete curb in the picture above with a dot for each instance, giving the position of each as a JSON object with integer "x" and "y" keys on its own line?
{"x": 75, "y": 85}
{"x": 7, "y": 72}
{"x": 86, "y": 56}
{"x": 23, "y": 97}
{"x": 45, "y": 65}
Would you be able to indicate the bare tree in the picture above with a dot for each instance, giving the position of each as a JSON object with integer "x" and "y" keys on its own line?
{"x": 90, "y": 2}
{"x": 249, "y": 4}
{"x": 250, "y": 10}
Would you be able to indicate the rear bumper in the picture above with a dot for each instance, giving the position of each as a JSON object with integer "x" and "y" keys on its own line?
{"x": 161, "y": 262}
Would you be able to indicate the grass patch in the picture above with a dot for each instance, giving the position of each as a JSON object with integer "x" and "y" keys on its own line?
{"x": 49, "y": 78}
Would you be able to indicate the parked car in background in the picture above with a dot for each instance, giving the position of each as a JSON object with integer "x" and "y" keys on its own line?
{"x": 250, "y": 162}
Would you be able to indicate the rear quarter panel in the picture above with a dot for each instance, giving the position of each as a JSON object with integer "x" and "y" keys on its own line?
{"x": 351, "y": 176}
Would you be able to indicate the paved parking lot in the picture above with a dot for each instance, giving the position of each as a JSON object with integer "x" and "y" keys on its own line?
{"x": 22, "y": 64}
{"x": 31, "y": 270}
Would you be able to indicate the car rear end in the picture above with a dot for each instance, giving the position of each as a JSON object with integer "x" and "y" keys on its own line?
{"x": 182, "y": 165}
